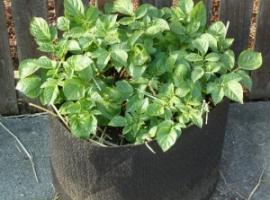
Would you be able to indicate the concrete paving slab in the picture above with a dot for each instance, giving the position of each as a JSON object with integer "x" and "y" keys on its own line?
{"x": 246, "y": 154}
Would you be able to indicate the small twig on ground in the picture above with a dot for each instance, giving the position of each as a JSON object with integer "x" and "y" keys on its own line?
{"x": 147, "y": 145}
{"x": 229, "y": 187}
{"x": 257, "y": 185}
{"x": 43, "y": 109}
{"x": 23, "y": 148}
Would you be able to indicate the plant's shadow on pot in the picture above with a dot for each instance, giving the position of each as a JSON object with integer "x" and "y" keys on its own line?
{"x": 188, "y": 171}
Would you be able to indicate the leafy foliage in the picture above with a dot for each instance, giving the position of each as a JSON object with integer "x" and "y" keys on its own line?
{"x": 148, "y": 72}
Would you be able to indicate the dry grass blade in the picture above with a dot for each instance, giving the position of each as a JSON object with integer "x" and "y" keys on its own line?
{"x": 257, "y": 185}
{"x": 23, "y": 148}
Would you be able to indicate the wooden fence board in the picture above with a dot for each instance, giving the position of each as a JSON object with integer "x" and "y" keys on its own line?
{"x": 100, "y": 3}
{"x": 59, "y": 6}
{"x": 23, "y": 12}
{"x": 8, "y": 99}
{"x": 239, "y": 14}
{"x": 261, "y": 77}
{"x": 158, "y": 3}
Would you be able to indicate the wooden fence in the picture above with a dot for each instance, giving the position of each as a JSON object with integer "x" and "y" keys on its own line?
{"x": 238, "y": 13}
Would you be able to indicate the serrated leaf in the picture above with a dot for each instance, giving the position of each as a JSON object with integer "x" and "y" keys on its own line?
{"x": 63, "y": 23}
{"x": 196, "y": 74}
{"x": 118, "y": 121}
{"x": 73, "y": 89}
{"x": 30, "y": 86}
{"x": 249, "y": 60}
{"x": 124, "y": 7}
{"x": 234, "y": 91}
{"x": 39, "y": 28}
{"x": 193, "y": 57}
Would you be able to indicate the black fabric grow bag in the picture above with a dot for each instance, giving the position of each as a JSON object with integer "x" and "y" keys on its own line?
{"x": 188, "y": 171}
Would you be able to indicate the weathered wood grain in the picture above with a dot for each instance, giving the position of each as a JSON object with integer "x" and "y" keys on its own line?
{"x": 8, "y": 99}
{"x": 100, "y": 3}
{"x": 23, "y": 11}
{"x": 261, "y": 77}
{"x": 59, "y": 6}
{"x": 239, "y": 14}
{"x": 158, "y": 3}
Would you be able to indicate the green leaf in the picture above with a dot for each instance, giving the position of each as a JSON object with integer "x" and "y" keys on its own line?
{"x": 74, "y": 10}
{"x": 217, "y": 29}
{"x": 170, "y": 62}
{"x": 136, "y": 71}
{"x": 234, "y": 91}
{"x": 126, "y": 20}
{"x": 199, "y": 14}
{"x": 211, "y": 40}
{"x": 30, "y": 86}
{"x": 73, "y": 89}
{"x": 153, "y": 30}
{"x": 197, "y": 119}
{"x": 63, "y": 23}
{"x": 212, "y": 57}
{"x": 161, "y": 24}
{"x": 196, "y": 74}
{"x": 134, "y": 37}
{"x": 201, "y": 45}
{"x": 83, "y": 125}
{"x": 231, "y": 77}
{"x": 155, "y": 109}
{"x": 125, "y": 88}
{"x": 50, "y": 94}
{"x": 246, "y": 80}
{"x": 39, "y": 28}
{"x": 124, "y": 7}
{"x": 120, "y": 56}
{"x": 103, "y": 57}
{"x": 228, "y": 59}
{"x": 217, "y": 94}
{"x": 70, "y": 107}
{"x": 73, "y": 45}
{"x": 167, "y": 136}
{"x": 193, "y": 57}
{"x": 185, "y": 6}
{"x": 79, "y": 62}
{"x": 118, "y": 121}
{"x": 46, "y": 47}
{"x": 177, "y": 27}
{"x": 249, "y": 60}
{"x": 141, "y": 12}
{"x": 27, "y": 67}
